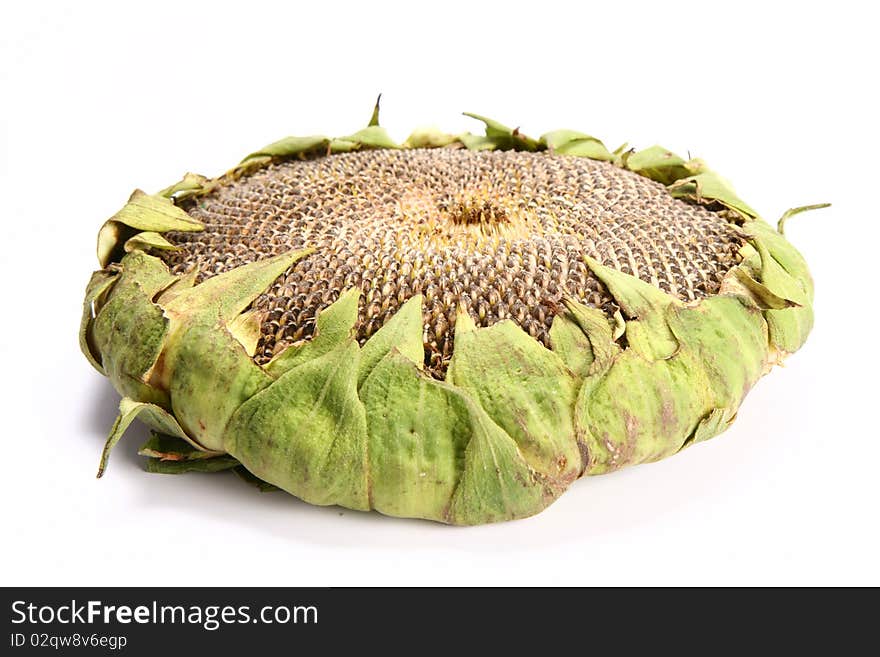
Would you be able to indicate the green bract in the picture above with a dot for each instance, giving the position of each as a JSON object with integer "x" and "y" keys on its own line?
{"x": 512, "y": 424}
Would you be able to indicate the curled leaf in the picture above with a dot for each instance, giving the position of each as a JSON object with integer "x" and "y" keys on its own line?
{"x": 788, "y": 214}
{"x": 149, "y": 240}
{"x": 374, "y": 119}
{"x": 153, "y": 415}
{"x": 503, "y": 137}
{"x": 143, "y": 212}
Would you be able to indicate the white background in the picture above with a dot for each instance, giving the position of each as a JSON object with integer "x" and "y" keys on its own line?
{"x": 101, "y": 98}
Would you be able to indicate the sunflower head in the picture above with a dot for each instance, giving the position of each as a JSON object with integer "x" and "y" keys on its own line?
{"x": 454, "y": 328}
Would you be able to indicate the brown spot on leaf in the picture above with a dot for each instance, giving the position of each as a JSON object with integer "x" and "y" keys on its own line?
{"x": 668, "y": 418}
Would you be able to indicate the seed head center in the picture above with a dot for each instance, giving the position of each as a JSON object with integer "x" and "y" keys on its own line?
{"x": 481, "y": 212}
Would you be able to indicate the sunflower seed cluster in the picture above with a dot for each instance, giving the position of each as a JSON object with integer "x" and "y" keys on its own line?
{"x": 502, "y": 233}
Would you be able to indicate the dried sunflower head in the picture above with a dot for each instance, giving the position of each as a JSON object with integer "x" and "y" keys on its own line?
{"x": 454, "y": 328}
